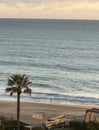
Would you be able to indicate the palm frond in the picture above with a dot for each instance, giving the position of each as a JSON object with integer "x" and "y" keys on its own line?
{"x": 25, "y": 81}
{"x": 13, "y": 77}
{"x": 29, "y": 82}
{"x": 14, "y": 89}
{"x": 28, "y": 91}
{"x": 11, "y": 93}
{"x": 10, "y": 82}
{"x": 17, "y": 83}
{"x": 7, "y": 90}
{"x": 11, "y": 89}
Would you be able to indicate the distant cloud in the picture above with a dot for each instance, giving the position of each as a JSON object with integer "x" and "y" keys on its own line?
{"x": 50, "y": 8}
{"x": 44, "y": 1}
{"x": 30, "y": 1}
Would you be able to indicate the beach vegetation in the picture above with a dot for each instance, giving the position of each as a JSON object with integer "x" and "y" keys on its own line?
{"x": 38, "y": 128}
{"x": 92, "y": 126}
{"x": 84, "y": 126}
{"x": 2, "y": 127}
{"x": 2, "y": 117}
{"x": 18, "y": 84}
{"x": 12, "y": 127}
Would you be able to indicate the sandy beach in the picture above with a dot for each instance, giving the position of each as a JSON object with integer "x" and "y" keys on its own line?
{"x": 28, "y": 109}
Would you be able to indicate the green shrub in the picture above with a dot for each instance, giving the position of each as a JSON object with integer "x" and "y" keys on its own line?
{"x": 77, "y": 125}
{"x": 84, "y": 126}
{"x": 2, "y": 117}
{"x": 11, "y": 124}
{"x": 11, "y": 118}
{"x": 10, "y": 127}
{"x": 2, "y": 127}
{"x": 38, "y": 128}
{"x": 8, "y": 123}
{"x": 92, "y": 126}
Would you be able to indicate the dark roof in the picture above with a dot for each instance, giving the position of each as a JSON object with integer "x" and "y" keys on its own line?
{"x": 95, "y": 110}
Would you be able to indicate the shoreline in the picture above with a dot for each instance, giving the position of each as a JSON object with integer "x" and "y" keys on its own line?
{"x": 54, "y": 98}
{"x": 52, "y": 103}
{"x": 47, "y": 110}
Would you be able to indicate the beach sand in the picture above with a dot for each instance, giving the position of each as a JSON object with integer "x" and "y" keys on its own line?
{"x": 30, "y": 109}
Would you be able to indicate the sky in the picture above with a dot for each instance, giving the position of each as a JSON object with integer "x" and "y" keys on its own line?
{"x": 50, "y": 9}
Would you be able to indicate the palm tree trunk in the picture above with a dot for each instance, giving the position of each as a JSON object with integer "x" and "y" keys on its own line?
{"x": 18, "y": 111}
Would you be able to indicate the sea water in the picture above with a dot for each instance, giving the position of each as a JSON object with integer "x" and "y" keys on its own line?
{"x": 60, "y": 57}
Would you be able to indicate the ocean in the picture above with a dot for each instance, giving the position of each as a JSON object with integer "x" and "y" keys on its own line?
{"x": 60, "y": 57}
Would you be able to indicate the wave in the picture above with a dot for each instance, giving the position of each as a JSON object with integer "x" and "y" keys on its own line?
{"x": 64, "y": 99}
{"x": 54, "y": 98}
{"x": 61, "y": 67}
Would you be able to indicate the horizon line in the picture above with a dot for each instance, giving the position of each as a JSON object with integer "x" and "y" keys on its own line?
{"x": 52, "y": 19}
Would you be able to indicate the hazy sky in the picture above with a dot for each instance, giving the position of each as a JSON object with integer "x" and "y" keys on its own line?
{"x": 65, "y": 9}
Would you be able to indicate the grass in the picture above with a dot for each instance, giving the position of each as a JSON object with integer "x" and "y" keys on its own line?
{"x": 63, "y": 128}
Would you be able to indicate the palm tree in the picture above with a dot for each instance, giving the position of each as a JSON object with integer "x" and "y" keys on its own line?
{"x": 18, "y": 83}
